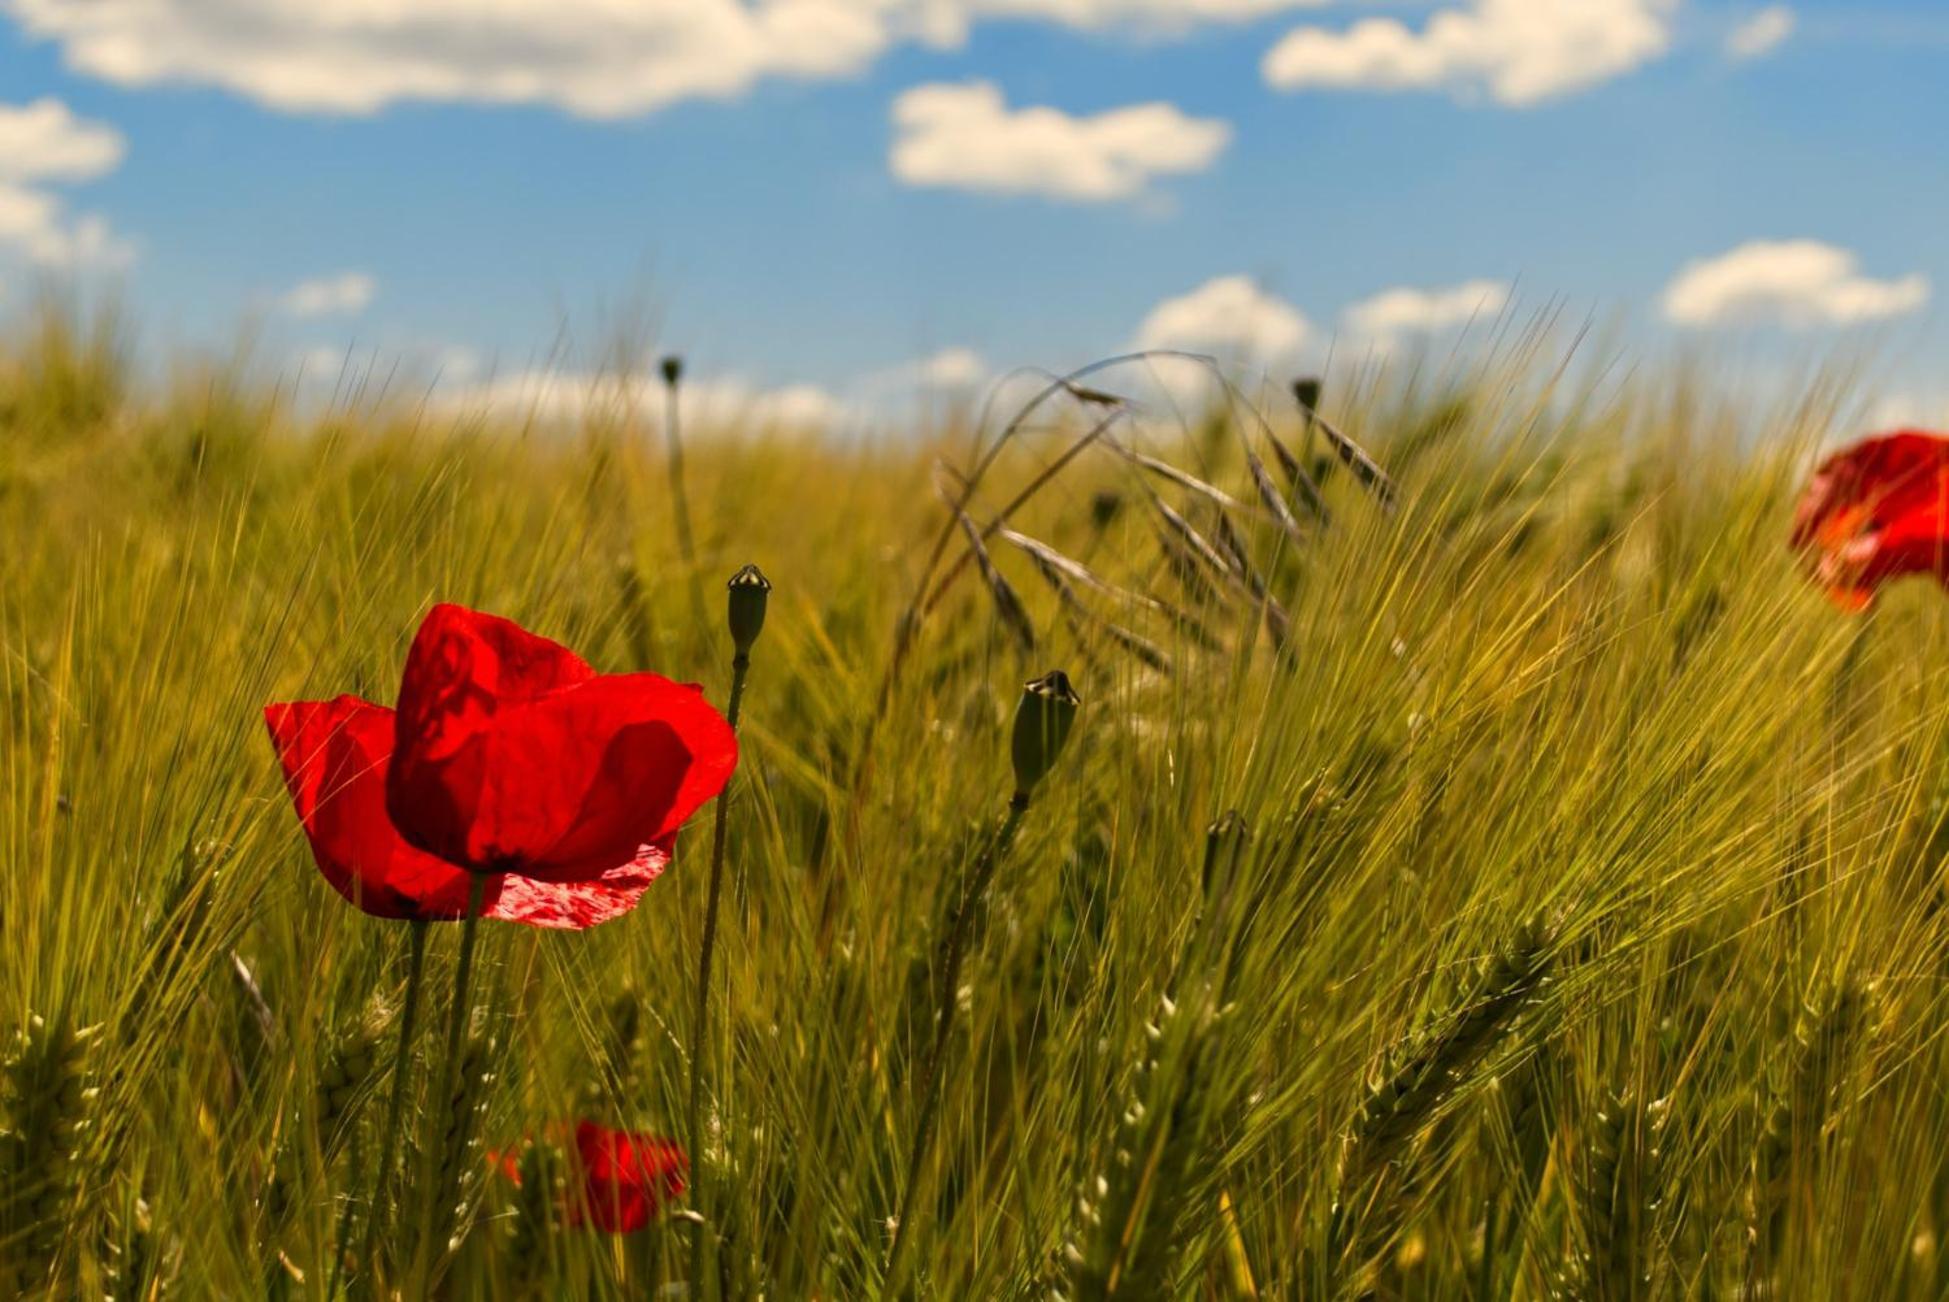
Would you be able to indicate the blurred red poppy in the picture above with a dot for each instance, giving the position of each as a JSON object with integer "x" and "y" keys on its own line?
{"x": 514, "y": 755}
{"x": 335, "y": 755}
{"x": 1876, "y": 511}
{"x": 622, "y": 1181}
{"x": 626, "y": 1179}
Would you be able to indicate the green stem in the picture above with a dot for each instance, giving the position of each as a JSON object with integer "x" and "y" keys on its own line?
{"x": 443, "y": 1099}
{"x": 686, "y": 547}
{"x": 930, "y": 1087}
{"x": 395, "y": 1105}
{"x": 700, "y": 1022}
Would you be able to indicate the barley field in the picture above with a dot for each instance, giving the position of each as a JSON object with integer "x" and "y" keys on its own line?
{"x": 1481, "y": 865}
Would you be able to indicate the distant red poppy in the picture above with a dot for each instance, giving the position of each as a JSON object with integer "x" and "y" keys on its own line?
{"x": 335, "y": 755}
{"x": 514, "y": 755}
{"x": 626, "y": 1179}
{"x": 1876, "y": 511}
{"x": 622, "y": 1181}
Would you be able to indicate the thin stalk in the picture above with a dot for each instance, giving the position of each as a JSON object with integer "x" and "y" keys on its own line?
{"x": 395, "y": 1105}
{"x": 930, "y": 1087}
{"x": 740, "y": 665}
{"x": 456, "y": 1036}
{"x": 686, "y": 544}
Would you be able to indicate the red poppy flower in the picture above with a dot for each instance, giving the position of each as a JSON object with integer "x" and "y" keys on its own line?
{"x": 1876, "y": 511}
{"x": 514, "y": 755}
{"x": 335, "y": 755}
{"x": 626, "y": 1178}
{"x": 623, "y": 1179}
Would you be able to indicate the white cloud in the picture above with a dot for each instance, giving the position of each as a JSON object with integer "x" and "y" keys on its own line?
{"x": 45, "y": 141}
{"x": 1794, "y": 283}
{"x": 570, "y": 397}
{"x": 1520, "y": 51}
{"x": 346, "y": 293}
{"x": 1904, "y": 410}
{"x": 953, "y": 372}
{"x": 1230, "y": 317}
{"x": 1381, "y": 321}
{"x": 965, "y": 137}
{"x": 37, "y": 224}
{"x": 596, "y": 58}
{"x": 1761, "y": 34}
{"x": 951, "y": 368}
{"x": 946, "y": 20}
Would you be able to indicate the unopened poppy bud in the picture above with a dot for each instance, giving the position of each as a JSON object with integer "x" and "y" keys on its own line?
{"x": 746, "y": 608}
{"x": 1306, "y": 391}
{"x": 1042, "y": 723}
{"x": 673, "y": 370}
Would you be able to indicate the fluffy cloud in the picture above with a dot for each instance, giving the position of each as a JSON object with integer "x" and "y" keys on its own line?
{"x": 1230, "y": 317}
{"x": 965, "y": 137}
{"x": 950, "y": 368}
{"x": 570, "y": 397}
{"x": 44, "y": 143}
{"x": 347, "y": 292}
{"x": 1383, "y": 319}
{"x": 1910, "y": 410}
{"x": 1761, "y": 34}
{"x": 1794, "y": 283}
{"x": 1520, "y": 51}
{"x": 598, "y": 58}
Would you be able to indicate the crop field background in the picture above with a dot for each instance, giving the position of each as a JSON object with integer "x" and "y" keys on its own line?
{"x": 1508, "y": 877}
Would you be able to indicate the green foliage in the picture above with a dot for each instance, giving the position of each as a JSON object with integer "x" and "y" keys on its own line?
{"x": 1562, "y": 669}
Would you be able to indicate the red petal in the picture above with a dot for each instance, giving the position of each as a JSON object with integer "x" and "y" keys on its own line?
{"x": 1876, "y": 511}
{"x": 335, "y": 754}
{"x": 551, "y": 769}
{"x": 627, "y": 1178}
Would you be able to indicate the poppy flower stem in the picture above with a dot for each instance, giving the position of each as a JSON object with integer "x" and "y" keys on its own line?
{"x": 456, "y": 1037}
{"x": 680, "y": 499}
{"x": 395, "y": 1107}
{"x": 707, "y": 950}
{"x": 930, "y": 1082}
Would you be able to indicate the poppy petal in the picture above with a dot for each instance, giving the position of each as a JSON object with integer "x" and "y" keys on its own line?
{"x": 1876, "y": 511}
{"x": 627, "y": 1178}
{"x": 556, "y": 784}
{"x": 335, "y": 755}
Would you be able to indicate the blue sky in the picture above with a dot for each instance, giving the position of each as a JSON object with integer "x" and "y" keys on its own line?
{"x": 826, "y": 193}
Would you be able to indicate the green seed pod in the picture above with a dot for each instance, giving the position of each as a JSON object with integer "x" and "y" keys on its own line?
{"x": 1042, "y": 723}
{"x": 673, "y": 369}
{"x": 746, "y": 608}
{"x": 1306, "y": 391}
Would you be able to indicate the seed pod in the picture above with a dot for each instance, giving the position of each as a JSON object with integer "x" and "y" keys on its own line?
{"x": 673, "y": 369}
{"x": 745, "y": 611}
{"x": 1306, "y": 392}
{"x": 1042, "y": 723}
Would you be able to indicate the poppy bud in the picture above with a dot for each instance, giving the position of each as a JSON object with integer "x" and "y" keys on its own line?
{"x": 1306, "y": 391}
{"x": 673, "y": 369}
{"x": 1042, "y": 723}
{"x": 746, "y": 607}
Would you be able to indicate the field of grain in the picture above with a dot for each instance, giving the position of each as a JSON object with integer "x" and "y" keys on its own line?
{"x": 1499, "y": 873}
